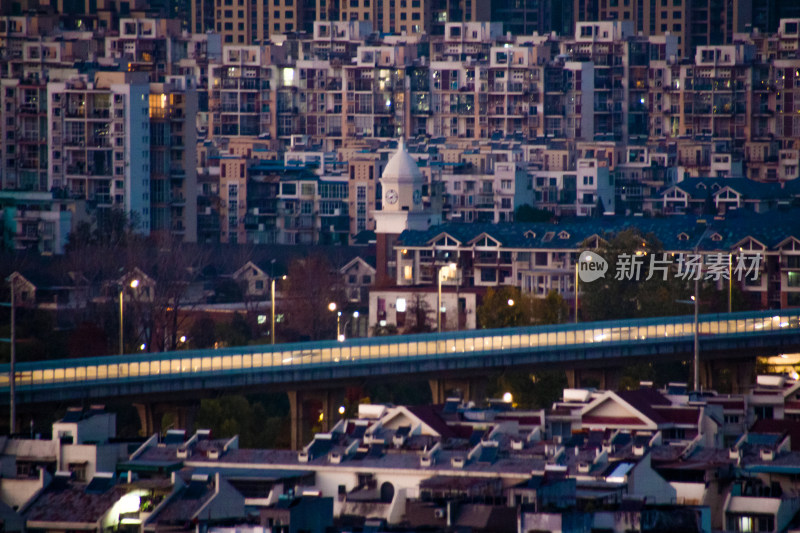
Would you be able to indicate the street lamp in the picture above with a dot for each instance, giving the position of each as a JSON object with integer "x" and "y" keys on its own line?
{"x": 511, "y": 302}
{"x": 695, "y": 300}
{"x": 445, "y": 272}
{"x": 341, "y": 334}
{"x": 272, "y": 308}
{"x": 133, "y": 284}
{"x": 12, "y": 376}
{"x": 577, "y": 267}
{"x": 586, "y": 259}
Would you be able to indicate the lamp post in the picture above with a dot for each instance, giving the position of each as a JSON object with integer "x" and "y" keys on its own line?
{"x": 332, "y": 309}
{"x": 696, "y": 299}
{"x": 133, "y": 284}
{"x": 730, "y": 282}
{"x": 12, "y": 377}
{"x": 577, "y": 265}
{"x": 272, "y": 307}
{"x": 354, "y": 331}
{"x": 444, "y": 273}
{"x": 342, "y": 333}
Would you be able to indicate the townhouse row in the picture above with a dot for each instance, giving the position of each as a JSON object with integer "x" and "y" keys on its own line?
{"x": 619, "y": 461}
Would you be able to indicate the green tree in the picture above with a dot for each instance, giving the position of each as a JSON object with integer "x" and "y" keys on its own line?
{"x": 237, "y": 332}
{"x": 504, "y": 307}
{"x": 202, "y": 332}
{"x": 552, "y": 309}
{"x": 257, "y": 425}
{"x": 537, "y": 390}
{"x": 528, "y": 213}
{"x": 384, "y": 331}
{"x": 616, "y": 297}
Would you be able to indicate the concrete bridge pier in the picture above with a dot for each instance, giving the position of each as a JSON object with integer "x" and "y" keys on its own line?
{"x": 469, "y": 389}
{"x": 606, "y": 378}
{"x": 313, "y": 411}
{"x": 152, "y": 414}
{"x": 728, "y": 376}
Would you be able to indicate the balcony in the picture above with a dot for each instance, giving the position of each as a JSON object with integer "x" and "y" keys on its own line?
{"x": 100, "y": 113}
{"x": 29, "y": 109}
{"x": 78, "y": 169}
{"x": 484, "y": 201}
{"x": 77, "y": 140}
{"x": 554, "y": 110}
{"x": 99, "y": 142}
{"x": 31, "y": 136}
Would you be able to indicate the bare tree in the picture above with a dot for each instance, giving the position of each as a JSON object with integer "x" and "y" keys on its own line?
{"x": 312, "y": 284}
{"x": 418, "y": 316}
{"x": 161, "y": 314}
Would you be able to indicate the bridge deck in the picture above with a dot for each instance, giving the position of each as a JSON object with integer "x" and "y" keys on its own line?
{"x": 141, "y": 369}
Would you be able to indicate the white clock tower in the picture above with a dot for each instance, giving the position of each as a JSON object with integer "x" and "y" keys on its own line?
{"x": 402, "y": 209}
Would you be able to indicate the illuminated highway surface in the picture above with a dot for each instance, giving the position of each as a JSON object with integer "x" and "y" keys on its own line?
{"x": 197, "y": 363}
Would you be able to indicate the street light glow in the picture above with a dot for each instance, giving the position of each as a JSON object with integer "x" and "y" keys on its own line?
{"x": 134, "y": 283}
{"x": 332, "y": 306}
{"x": 508, "y": 397}
{"x": 510, "y": 302}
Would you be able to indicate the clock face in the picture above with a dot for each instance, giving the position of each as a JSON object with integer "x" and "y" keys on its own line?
{"x": 391, "y": 197}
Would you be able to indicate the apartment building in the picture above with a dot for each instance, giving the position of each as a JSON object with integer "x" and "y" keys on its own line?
{"x": 36, "y": 220}
{"x": 241, "y": 92}
{"x": 99, "y": 137}
{"x": 100, "y": 133}
{"x": 173, "y": 156}
{"x": 147, "y": 45}
{"x": 492, "y": 197}
{"x": 23, "y": 134}
{"x": 693, "y": 22}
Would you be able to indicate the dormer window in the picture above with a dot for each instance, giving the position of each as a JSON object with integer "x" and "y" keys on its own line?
{"x": 683, "y": 237}
{"x": 563, "y": 235}
{"x": 548, "y": 236}
{"x": 716, "y": 237}
{"x": 530, "y": 234}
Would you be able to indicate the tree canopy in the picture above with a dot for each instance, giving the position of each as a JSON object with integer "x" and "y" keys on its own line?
{"x": 616, "y": 297}
{"x": 507, "y": 306}
{"x": 311, "y": 286}
{"x": 528, "y": 213}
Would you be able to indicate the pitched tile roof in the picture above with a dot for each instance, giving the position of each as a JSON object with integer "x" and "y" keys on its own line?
{"x": 72, "y": 504}
{"x": 769, "y": 228}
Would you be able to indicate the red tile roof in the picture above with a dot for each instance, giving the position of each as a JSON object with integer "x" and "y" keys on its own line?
{"x": 612, "y": 421}
{"x": 779, "y": 427}
{"x": 728, "y": 403}
{"x": 679, "y": 415}
{"x": 430, "y": 416}
{"x": 71, "y": 504}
